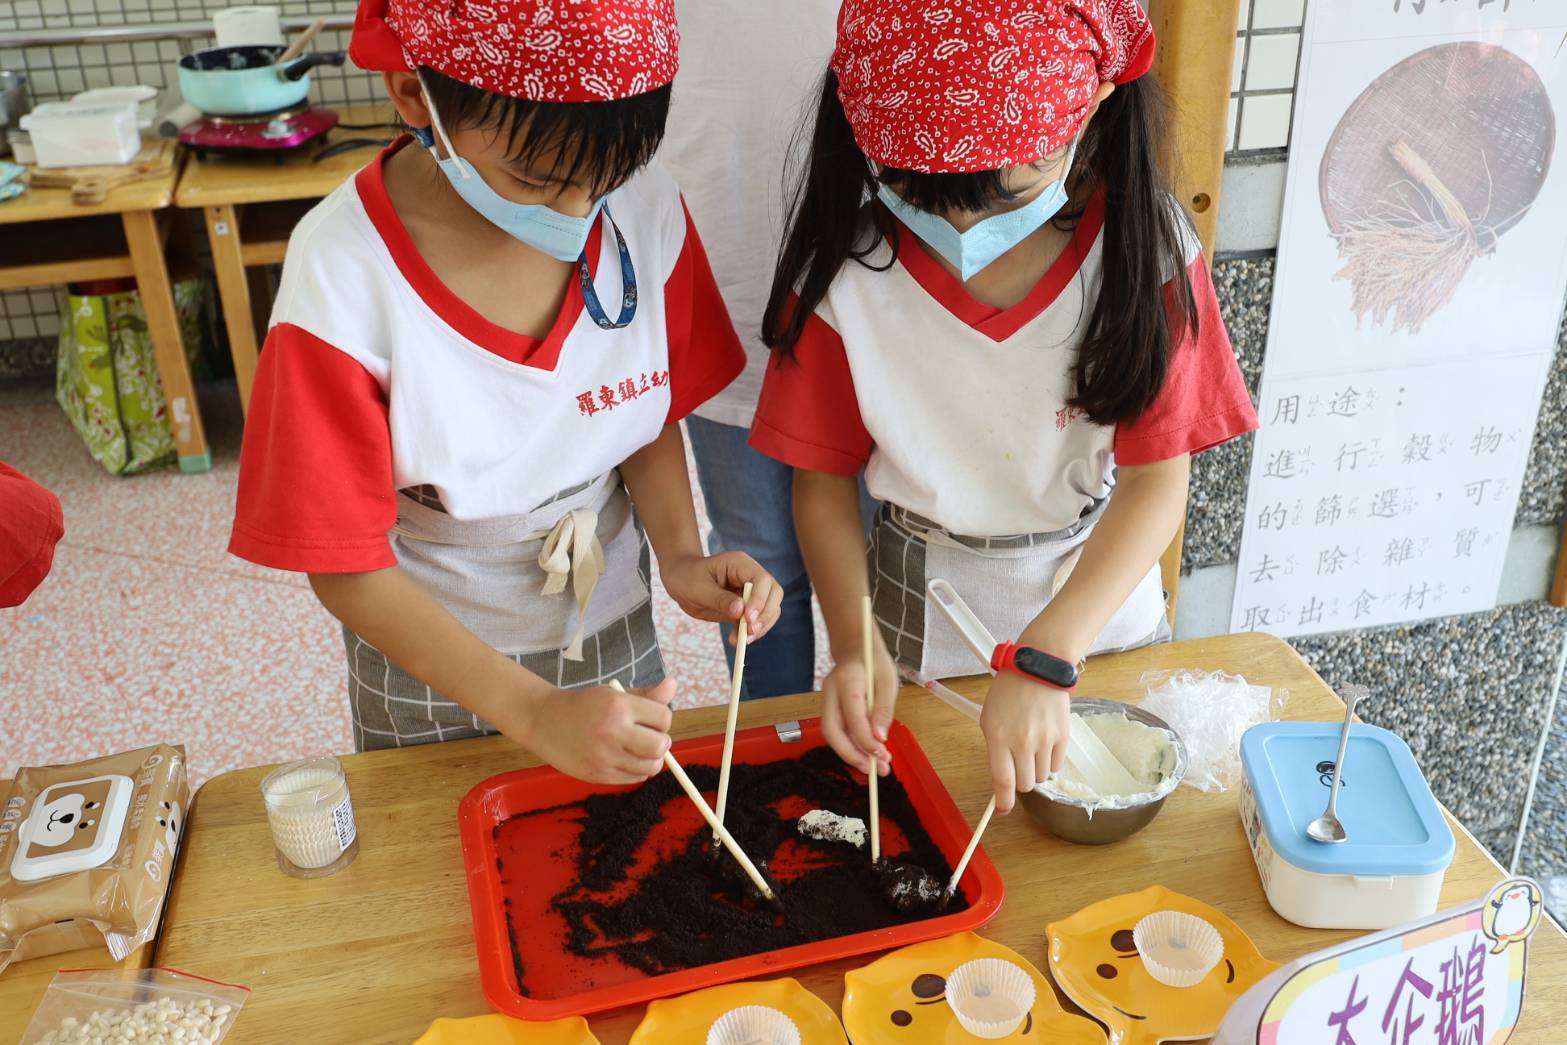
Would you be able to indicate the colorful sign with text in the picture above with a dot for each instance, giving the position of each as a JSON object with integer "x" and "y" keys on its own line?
{"x": 1456, "y": 978}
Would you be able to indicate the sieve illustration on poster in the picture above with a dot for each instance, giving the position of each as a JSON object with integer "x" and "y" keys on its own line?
{"x": 1423, "y": 204}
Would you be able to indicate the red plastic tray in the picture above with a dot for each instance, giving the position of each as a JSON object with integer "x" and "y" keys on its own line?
{"x": 563, "y": 984}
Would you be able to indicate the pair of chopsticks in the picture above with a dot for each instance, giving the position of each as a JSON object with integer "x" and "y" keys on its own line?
{"x": 715, "y": 820}
{"x": 867, "y": 624}
{"x": 723, "y": 836}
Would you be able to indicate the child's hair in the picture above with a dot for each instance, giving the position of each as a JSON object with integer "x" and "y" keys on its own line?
{"x": 1126, "y": 351}
{"x": 599, "y": 143}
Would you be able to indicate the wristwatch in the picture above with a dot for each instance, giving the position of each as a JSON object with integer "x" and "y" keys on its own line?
{"x": 1035, "y": 665}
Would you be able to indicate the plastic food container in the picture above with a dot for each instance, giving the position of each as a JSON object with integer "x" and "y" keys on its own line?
{"x": 21, "y": 146}
{"x": 1387, "y": 872}
{"x": 83, "y": 134}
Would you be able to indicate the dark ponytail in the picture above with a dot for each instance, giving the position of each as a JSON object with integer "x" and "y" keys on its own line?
{"x": 1126, "y": 350}
{"x": 827, "y": 222}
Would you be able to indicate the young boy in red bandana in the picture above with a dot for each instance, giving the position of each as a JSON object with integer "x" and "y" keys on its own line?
{"x": 1016, "y": 324}
{"x": 467, "y": 407}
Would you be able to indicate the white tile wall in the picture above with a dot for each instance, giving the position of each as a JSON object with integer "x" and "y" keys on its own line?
{"x": 1265, "y": 122}
{"x": 1267, "y": 55}
{"x": 1278, "y": 14}
{"x": 56, "y": 72}
{"x": 1271, "y": 63}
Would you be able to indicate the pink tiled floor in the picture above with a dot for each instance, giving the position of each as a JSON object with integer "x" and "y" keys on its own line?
{"x": 147, "y": 630}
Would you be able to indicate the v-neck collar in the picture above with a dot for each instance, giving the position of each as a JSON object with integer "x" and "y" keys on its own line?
{"x": 513, "y": 346}
{"x": 999, "y": 324}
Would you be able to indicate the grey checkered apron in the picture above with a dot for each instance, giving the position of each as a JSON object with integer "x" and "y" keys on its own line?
{"x": 1005, "y": 580}
{"x": 488, "y": 575}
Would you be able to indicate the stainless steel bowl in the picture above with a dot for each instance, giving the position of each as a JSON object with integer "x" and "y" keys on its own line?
{"x": 1069, "y": 818}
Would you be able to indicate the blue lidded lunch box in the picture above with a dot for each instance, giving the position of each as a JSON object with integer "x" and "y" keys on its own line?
{"x": 1390, "y": 868}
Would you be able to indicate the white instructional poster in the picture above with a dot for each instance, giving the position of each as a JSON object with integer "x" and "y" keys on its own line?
{"x": 1419, "y": 284}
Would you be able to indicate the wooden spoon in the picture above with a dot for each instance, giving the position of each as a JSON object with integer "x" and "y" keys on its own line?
{"x": 302, "y": 41}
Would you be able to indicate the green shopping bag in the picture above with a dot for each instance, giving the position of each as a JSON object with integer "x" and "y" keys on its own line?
{"x": 106, "y": 374}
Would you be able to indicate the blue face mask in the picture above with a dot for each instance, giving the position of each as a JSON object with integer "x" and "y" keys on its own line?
{"x": 988, "y": 239}
{"x": 545, "y": 229}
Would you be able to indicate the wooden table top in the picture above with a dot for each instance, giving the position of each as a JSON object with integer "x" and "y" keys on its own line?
{"x": 151, "y": 192}
{"x": 230, "y": 179}
{"x": 22, "y": 984}
{"x": 377, "y": 952}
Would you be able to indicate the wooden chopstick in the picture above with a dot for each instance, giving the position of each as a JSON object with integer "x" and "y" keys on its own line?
{"x": 968, "y": 853}
{"x": 724, "y": 837}
{"x": 867, "y": 622}
{"x": 734, "y": 707}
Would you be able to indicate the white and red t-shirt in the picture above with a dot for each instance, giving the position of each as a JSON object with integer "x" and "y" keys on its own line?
{"x": 375, "y": 377}
{"x": 957, "y": 410}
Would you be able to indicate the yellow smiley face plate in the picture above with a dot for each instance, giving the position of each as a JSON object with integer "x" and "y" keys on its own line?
{"x": 901, "y": 997}
{"x": 687, "y": 1018}
{"x": 496, "y": 1029}
{"x": 1093, "y": 958}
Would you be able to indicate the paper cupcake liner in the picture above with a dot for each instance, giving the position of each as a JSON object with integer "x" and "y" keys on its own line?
{"x": 1177, "y": 949}
{"x": 990, "y": 996}
{"x": 753, "y": 1025}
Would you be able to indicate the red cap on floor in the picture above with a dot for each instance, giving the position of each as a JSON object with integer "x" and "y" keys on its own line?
{"x": 31, "y": 524}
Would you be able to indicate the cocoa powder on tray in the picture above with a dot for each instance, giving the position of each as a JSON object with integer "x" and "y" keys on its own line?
{"x": 693, "y": 907}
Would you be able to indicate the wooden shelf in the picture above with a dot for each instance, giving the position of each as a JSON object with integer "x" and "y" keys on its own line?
{"x": 67, "y": 250}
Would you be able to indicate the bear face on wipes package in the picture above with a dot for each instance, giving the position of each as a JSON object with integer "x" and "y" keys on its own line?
{"x": 87, "y": 851}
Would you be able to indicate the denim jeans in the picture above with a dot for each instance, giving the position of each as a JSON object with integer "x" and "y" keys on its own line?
{"x": 750, "y": 502}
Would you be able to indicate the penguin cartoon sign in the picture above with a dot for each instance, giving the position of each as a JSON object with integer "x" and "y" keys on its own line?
{"x": 1511, "y": 912}
{"x": 1459, "y": 975}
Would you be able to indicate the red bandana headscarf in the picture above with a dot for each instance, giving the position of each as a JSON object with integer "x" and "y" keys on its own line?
{"x": 947, "y": 86}
{"x": 541, "y": 50}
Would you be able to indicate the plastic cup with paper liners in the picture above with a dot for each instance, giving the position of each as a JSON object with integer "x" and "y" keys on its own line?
{"x": 1177, "y": 949}
{"x": 311, "y": 816}
{"x": 753, "y": 1025}
{"x": 990, "y": 996}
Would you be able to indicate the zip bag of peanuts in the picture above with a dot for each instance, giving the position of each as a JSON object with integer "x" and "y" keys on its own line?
{"x": 145, "y": 1006}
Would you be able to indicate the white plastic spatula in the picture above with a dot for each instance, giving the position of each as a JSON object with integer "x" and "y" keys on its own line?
{"x": 1088, "y": 761}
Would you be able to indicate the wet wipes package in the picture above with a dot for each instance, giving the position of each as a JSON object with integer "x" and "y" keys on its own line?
{"x": 87, "y": 851}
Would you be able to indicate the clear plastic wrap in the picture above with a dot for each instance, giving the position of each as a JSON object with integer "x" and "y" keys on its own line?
{"x": 89, "y": 1006}
{"x": 1209, "y": 711}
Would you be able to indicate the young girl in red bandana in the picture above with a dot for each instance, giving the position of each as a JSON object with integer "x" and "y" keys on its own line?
{"x": 988, "y": 298}
{"x": 467, "y": 408}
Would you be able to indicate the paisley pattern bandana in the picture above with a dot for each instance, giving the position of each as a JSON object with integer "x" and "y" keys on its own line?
{"x": 541, "y": 50}
{"x": 948, "y": 86}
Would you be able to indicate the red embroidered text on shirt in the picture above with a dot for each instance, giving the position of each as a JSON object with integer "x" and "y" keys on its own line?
{"x": 607, "y": 398}
{"x": 1065, "y": 416}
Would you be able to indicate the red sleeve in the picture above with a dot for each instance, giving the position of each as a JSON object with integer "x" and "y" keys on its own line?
{"x": 316, "y": 492}
{"x": 705, "y": 354}
{"x": 1204, "y": 401}
{"x": 808, "y": 416}
{"x": 31, "y": 524}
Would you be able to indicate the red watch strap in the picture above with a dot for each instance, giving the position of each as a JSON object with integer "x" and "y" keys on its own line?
{"x": 1004, "y": 658}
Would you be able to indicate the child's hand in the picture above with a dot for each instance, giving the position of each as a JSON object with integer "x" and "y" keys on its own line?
{"x": 601, "y": 734}
{"x": 1025, "y": 725}
{"x": 708, "y": 588}
{"x": 857, "y": 735}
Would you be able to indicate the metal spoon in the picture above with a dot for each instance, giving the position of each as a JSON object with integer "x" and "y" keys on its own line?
{"x": 1326, "y": 828}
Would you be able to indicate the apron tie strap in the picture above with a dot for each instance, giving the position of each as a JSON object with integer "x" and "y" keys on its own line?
{"x": 573, "y": 549}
